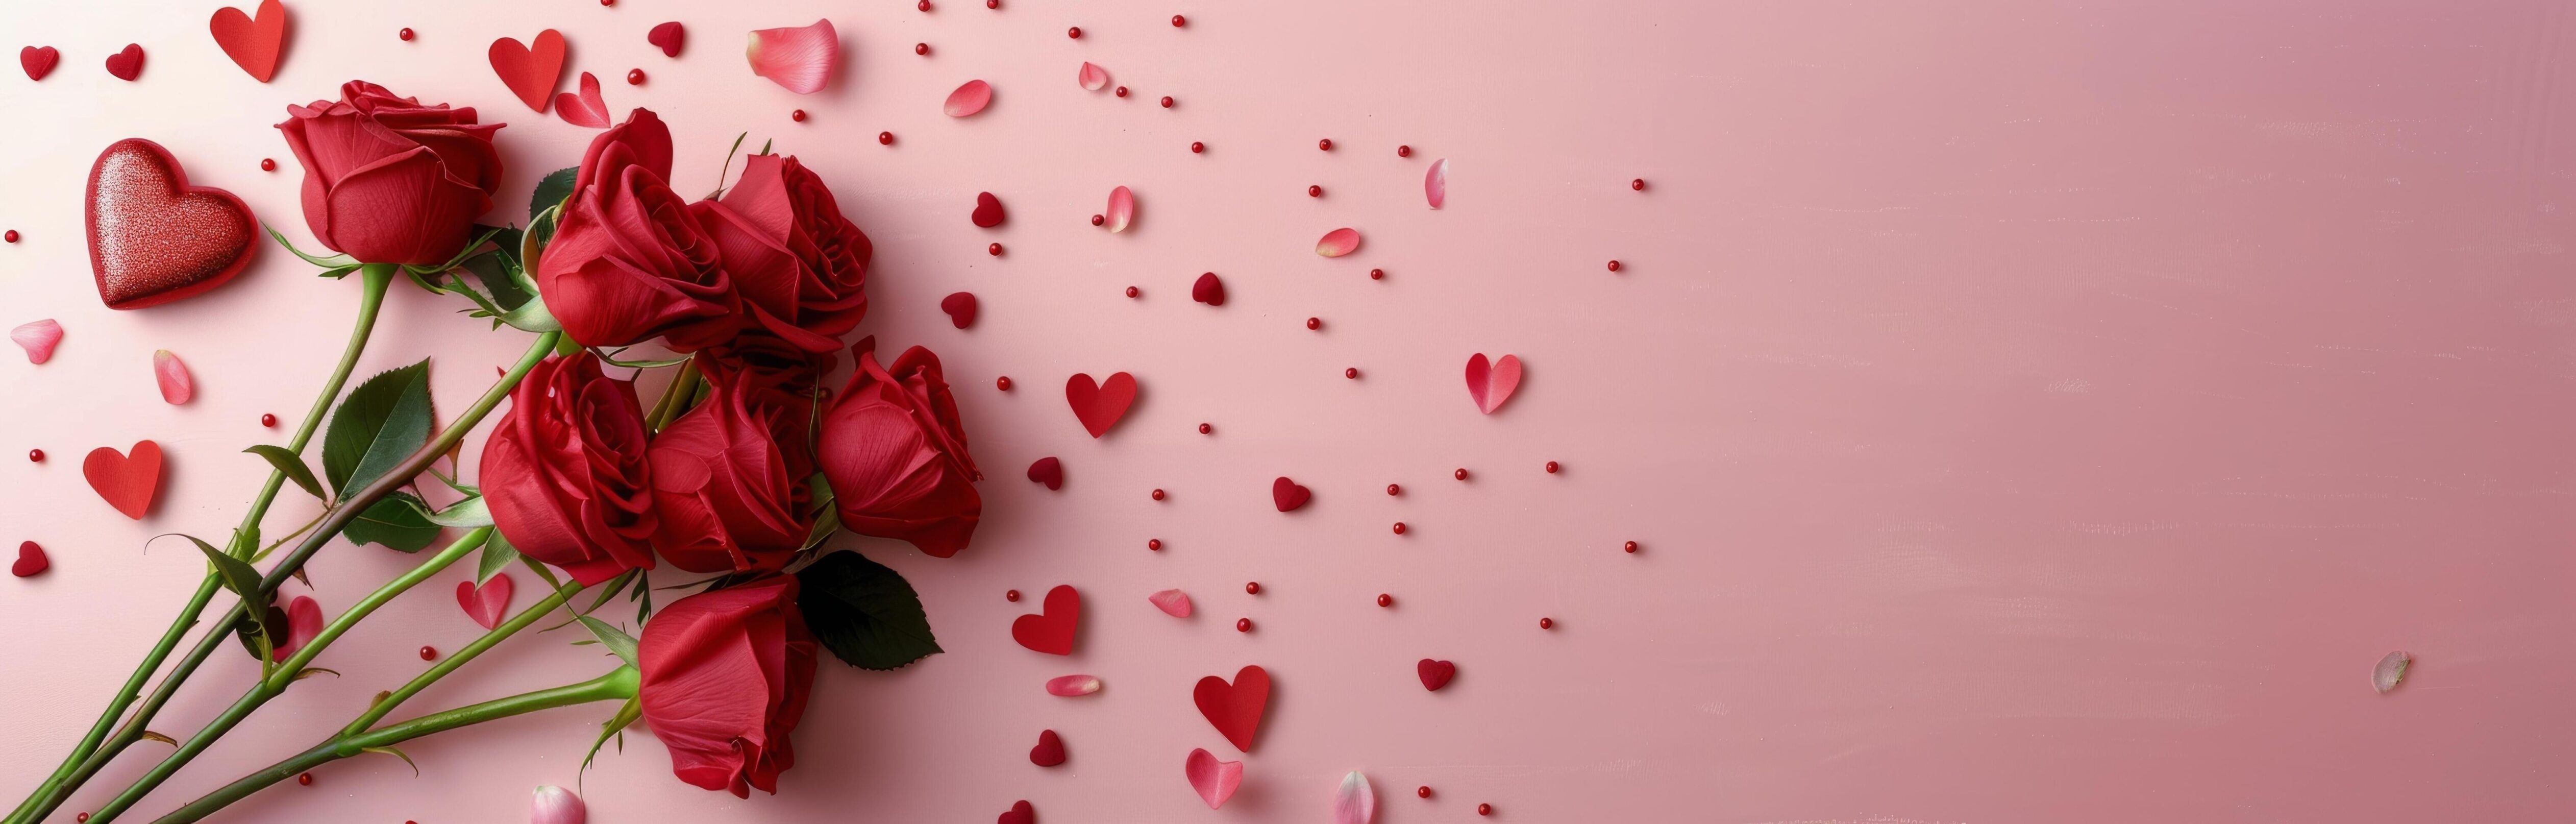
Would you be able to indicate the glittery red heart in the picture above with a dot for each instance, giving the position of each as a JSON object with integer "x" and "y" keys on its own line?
{"x": 152, "y": 237}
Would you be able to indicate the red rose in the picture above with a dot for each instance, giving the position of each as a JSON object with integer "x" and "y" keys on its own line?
{"x": 629, "y": 261}
{"x": 777, "y": 373}
{"x": 387, "y": 180}
{"x": 895, "y": 453}
{"x": 565, "y": 471}
{"x": 726, "y": 674}
{"x": 731, "y": 484}
{"x": 797, "y": 262}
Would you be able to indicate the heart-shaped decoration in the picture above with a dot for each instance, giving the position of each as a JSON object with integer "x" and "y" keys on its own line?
{"x": 38, "y": 60}
{"x": 152, "y": 237}
{"x": 128, "y": 63}
{"x": 587, "y": 109}
{"x": 1051, "y": 630}
{"x": 1049, "y": 471}
{"x": 253, "y": 43}
{"x": 668, "y": 38}
{"x": 960, "y": 308}
{"x": 530, "y": 72}
{"x": 31, "y": 560}
{"x": 1492, "y": 384}
{"x": 1019, "y": 813}
{"x": 1208, "y": 290}
{"x": 129, "y": 481}
{"x": 1100, "y": 405}
{"x": 1215, "y": 780}
{"x": 485, "y": 604}
{"x": 1235, "y": 708}
{"x": 1287, "y": 495}
{"x": 988, "y": 210}
{"x": 1050, "y": 749}
{"x": 1435, "y": 674}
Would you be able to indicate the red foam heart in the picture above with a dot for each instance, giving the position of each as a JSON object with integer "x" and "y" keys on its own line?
{"x": 1435, "y": 674}
{"x": 129, "y": 482}
{"x": 1288, "y": 495}
{"x": 253, "y": 43}
{"x": 485, "y": 604}
{"x": 127, "y": 64}
{"x": 1208, "y": 290}
{"x": 1100, "y": 405}
{"x": 960, "y": 308}
{"x": 1051, "y": 631}
{"x": 529, "y": 72}
{"x": 38, "y": 60}
{"x": 1235, "y": 708}
{"x": 1492, "y": 384}
{"x": 152, "y": 237}
{"x": 586, "y": 109}
{"x": 1019, "y": 813}
{"x": 1049, "y": 751}
{"x": 1049, "y": 471}
{"x": 31, "y": 560}
{"x": 988, "y": 210}
{"x": 668, "y": 38}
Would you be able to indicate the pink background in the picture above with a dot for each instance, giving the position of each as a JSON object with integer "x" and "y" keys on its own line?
{"x": 2031, "y": 411}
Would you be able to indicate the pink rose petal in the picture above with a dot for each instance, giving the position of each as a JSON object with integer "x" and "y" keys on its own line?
{"x": 1338, "y": 242}
{"x": 556, "y": 805}
{"x": 1122, "y": 208}
{"x": 797, "y": 58}
{"x": 1215, "y": 780}
{"x": 38, "y": 338}
{"x": 586, "y": 109}
{"x": 1172, "y": 602}
{"x": 969, "y": 99}
{"x": 1355, "y": 803}
{"x": 303, "y": 622}
{"x": 176, "y": 386}
{"x": 1092, "y": 77}
{"x": 1435, "y": 183}
{"x": 1073, "y": 685}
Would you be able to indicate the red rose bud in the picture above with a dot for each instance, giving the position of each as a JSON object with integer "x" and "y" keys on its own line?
{"x": 895, "y": 453}
{"x": 388, "y": 180}
{"x": 730, "y": 483}
{"x": 725, "y": 677}
{"x": 798, "y": 264}
{"x": 565, "y": 471}
{"x": 630, "y": 260}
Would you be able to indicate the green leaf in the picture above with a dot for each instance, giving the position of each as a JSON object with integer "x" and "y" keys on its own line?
{"x": 532, "y": 244}
{"x": 400, "y": 522}
{"x": 292, "y": 465}
{"x": 626, "y": 715}
{"x": 466, "y": 514}
{"x": 616, "y": 640}
{"x": 237, "y": 575}
{"x": 332, "y": 262}
{"x": 377, "y": 426}
{"x": 865, "y": 613}
{"x": 498, "y": 555}
{"x": 415, "y": 768}
{"x": 552, "y": 190}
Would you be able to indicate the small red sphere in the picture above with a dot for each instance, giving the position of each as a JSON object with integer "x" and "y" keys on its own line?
{"x": 1399, "y": 527}
{"x": 1377, "y": 274}
{"x": 1198, "y": 147}
{"x": 1547, "y": 623}
{"x": 1205, "y": 429}
{"x": 1179, "y": 21}
{"x": 36, "y": 456}
{"x": 267, "y": 420}
{"x": 1392, "y": 489}
{"x": 1012, "y": 596}
{"x": 1614, "y": 266}
{"x": 992, "y": 4}
{"x": 1352, "y": 373}
{"x": 1075, "y": 32}
{"x": 268, "y": 164}
{"x": 1099, "y": 219}
{"x": 1243, "y": 625}
{"x": 994, "y": 250}
{"x": 1385, "y": 600}
{"x": 427, "y": 653}
{"x": 405, "y": 34}
{"x": 10, "y": 236}
{"x": 83, "y": 817}
{"x": 1325, "y": 144}
{"x": 1638, "y": 184}
{"x": 1167, "y": 101}
{"x": 924, "y": 5}
{"x": 1158, "y": 494}
{"x": 1314, "y": 323}
{"x": 1461, "y": 474}
{"x": 1002, "y": 383}
{"x": 1422, "y": 792}
{"x": 1155, "y": 544}
{"x": 634, "y": 77}
{"x": 885, "y": 138}
{"x": 1132, "y": 291}
{"x": 1314, "y": 191}
{"x": 920, "y": 48}
{"x": 1630, "y": 546}
{"x": 797, "y": 115}
{"x": 1551, "y": 467}
{"x": 608, "y": 2}
{"x": 1252, "y": 588}
{"x": 1122, "y": 91}
{"x": 305, "y": 779}
{"x": 1484, "y": 809}
{"x": 1405, "y": 151}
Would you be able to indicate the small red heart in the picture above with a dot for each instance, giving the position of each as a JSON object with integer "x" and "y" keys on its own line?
{"x": 128, "y": 482}
{"x": 1208, "y": 290}
{"x": 127, "y": 64}
{"x": 252, "y": 43}
{"x": 1051, "y": 631}
{"x": 668, "y": 38}
{"x": 1100, "y": 405}
{"x": 587, "y": 109}
{"x": 152, "y": 237}
{"x": 1489, "y": 385}
{"x": 988, "y": 210}
{"x": 1288, "y": 495}
{"x": 1019, "y": 813}
{"x": 960, "y": 308}
{"x": 529, "y": 72}
{"x": 31, "y": 560}
{"x": 1049, "y": 471}
{"x": 1049, "y": 751}
{"x": 38, "y": 60}
{"x": 487, "y": 603}
{"x": 1435, "y": 674}
{"x": 1235, "y": 708}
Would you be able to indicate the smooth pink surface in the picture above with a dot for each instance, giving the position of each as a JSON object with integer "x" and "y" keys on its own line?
{"x": 2029, "y": 411}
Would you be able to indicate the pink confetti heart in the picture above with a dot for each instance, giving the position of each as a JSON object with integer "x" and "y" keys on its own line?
{"x": 797, "y": 58}
{"x": 668, "y": 37}
{"x": 1215, "y": 780}
{"x": 960, "y": 307}
{"x": 1208, "y": 290}
{"x": 1073, "y": 686}
{"x": 487, "y": 603}
{"x": 1049, "y": 471}
{"x": 1435, "y": 183}
{"x": 177, "y": 386}
{"x": 39, "y": 339}
{"x": 969, "y": 99}
{"x": 587, "y": 109}
{"x": 1122, "y": 209}
{"x": 1092, "y": 77}
{"x": 1172, "y": 602}
{"x": 1338, "y": 242}
{"x": 31, "y": 560}
{"x": 1492, "y": 384}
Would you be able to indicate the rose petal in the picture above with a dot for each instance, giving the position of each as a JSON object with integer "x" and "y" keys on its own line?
{"x": 969, "y": 99}
{"x": 2391, "y": 670}
{"x": 1122, "y": 208}
{"x": 1215, "y": 780}
{"x": 1435, "y": 183}
{"x": 1208, "y": 290}
{"x": 1073, "y": 685}
{"x": 38, "y": 338}
{"x": 1172, "y": 602}
{"x": 1092, "y": 77}
{"x": 799, "y": 58}
{"x": 587, "y": 109}
{"x": 556, "y": 805}
{"x": 176, "y": 386}
{"x": 1338, "y": 242}
{"x": 303, "y": 622}
{"x": 1355, "y": 803}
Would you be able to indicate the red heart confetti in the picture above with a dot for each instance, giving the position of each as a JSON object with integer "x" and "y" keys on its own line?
{"x": 485, "y": 604}
{"x": 1051, "y": 630}
{"x": 1019, "y": 813}
{"x": 960, "y": 308}
{"x": 253, "y": 43}
{"x": 1235, "y": 709}
{"x": 529, "y": 72}
{"x": 128, "y": 482}
{"x": 38, "y": 60}
{"x": 127, "y": 64}
{"x": 1100, "y": 405}
{"x": 1049, "y": 471}
{"x": 1492, "y": 384}
{"x": 988, "y": 210}
{"x": 152, "y": 237}
{"x": 1050, "y": 749}
{"x": 1215, "y": 780}
{"x": 586, "y": 109}
{"x": 31, "y": 560}
{"x": 1435, "y": 674}
{"x": 1208, "y": 290}
{"x": 1287, "y": 495}
{"x": 668, "y": 37}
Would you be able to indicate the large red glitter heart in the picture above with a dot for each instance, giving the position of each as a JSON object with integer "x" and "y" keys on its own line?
{"x": 152, "y": 237}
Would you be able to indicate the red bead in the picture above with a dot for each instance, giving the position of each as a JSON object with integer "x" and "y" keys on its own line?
{"x": 1352, "y": 373}
{"x": 1253, "y": 588}
{"x": 83, "y": 817}
{"x": 1206, "y": 429}
{"x": 10, "y": 236}
{"x": 1461, "y": 474}
{"x": 924, "y": 5}
{"x": 797, "y": 115}
{"x": 1155, "y": 544}
{"x": 1158, "y": 494}
{"x": 1314, "y": 191}
{"x": 1547, "y": 623}
{"x": 1012, "y": 596}
{"x": 405, "y": 34}
{"x": 1075, "y": 32}
{"x": 920, "y": 48}
{"x": 1099, "y": 219}
{"x": 1399, "y": 527}
{"x": 1243, "y": 625}
{"x": 608, "y": 2}
{"x": 885, "y": 138}
{"x": 1614, "y": 266}
{"x": 1167, "y": 101}
{"x": 1551, "y": 467}
{"x": 1002, "y": 383}
{"x": 1325, "y": 144}
{"x": 1131, "y": 291}
{"x": 1198, "y": 147}
{"x": 1179, "y": 21}
{"x": 427, "y": 653}
{"x": 992, "y": 4}
{"x": 634, "y": 77}
{"x": 1630, "y": 546}
{"x": 1484, "y": 809}
{"x": 268, "y": 420}
{"x": 1314, "y": 323}
{"x": 36, "y": 455}
{"x": 1406, "y": 151}
{"x": 1385, "y": 600}
{"x": 1122, "y": 91}
{"x": 268, "y": 164}
{"x": 1638, "y": 184}
{"x": 305, "y": 779}
{"x": 1377, "y": 274}
{"x": 1392, "y": 489}
{"x": 1422, "y": 792}
{"x": 994, "y": 250}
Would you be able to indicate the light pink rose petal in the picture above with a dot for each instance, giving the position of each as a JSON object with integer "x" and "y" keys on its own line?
{"x": 1355, "y": 803}
{"x": 586, "y": 109}
{"x": 1122, "y": 208}
{"x": 1172, "y": 602}
{"x": 1338, "y": 242}
{"x": 176, "y": 386}
{"x": 1073, "y": 685}
{"x": 1435, "y": 183}
{"x": 798, "y": 58}
{"x": 969, "y": 99}
{"x": 1092, "y": 77}
{"x": 38, "y": 338}
{"x": 556, "y": 805}
{"x": 2391, "y": 671}
{"x": 1215, "y": 780}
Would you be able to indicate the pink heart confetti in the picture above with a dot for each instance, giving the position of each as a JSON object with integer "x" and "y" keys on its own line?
{"x": 485, "y": 604}
{"x": 587, "y": 109}
{"x": 1435, "y": 183}
{"x": 797, "y": 58}
{"x": 1489, "y": 385}
{"x": 1338, "y": 242}
{"x": 1122, "y": 208}
{"x": 176, "y": 385}
{"x": 1172, "y": 602}
{"x": 969, "y": 99}
{"x": 668, "y": 37}
{"x": 1072, "y": 686}
{"x": 39, "y": 339}
{"x": 1355, "y": 802}
{"x": 1092, "y": 77}
{"x": 1215, "y": 780}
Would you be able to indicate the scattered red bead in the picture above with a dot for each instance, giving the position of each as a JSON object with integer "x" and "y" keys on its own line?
{"x": 305, "y": 779}
{"x": 1012, "y": 596}
{"x": 1099, "y": 219}
{"x": 36, "y": 455}
{"x": 1547, "y": 623}
{"x": 797, "y": 115}
{"x": 994, "y": 250}
{"x": 1122, "y": 91}
{"x": 1422, "y": 792}
{"x": 1551, "y": 467}
{"x": 10, "y": 236}
{"x": 1406, "y": 151}
{"x": 1075, "y": 32}
{"x": 1243, "y": 625}
{"x": 1179, "y": 21}
{"x": 1392, "y": 489}
{"x": 1385, "y": 600}
{"x": 1352, "y": 373}
{"x": 1205, "y": 429}
{"x": 1630, "y": 546}
{"x": 920, "y": 48}
{"x": 1461, "y": 474}
{"x": 1638, "y": 184}
{"x": 1198, "y": 147}
{"x": 268, "y": 164}
{"x": 1155, "y": 544}
{"x": 405, "y": 34}
{"x": 1325, "y": 144}
{"x": 992, "y": 4}
{"x": 1002, "y": 383}
{"x": 1314, "y": 191}
{"x": 1399, "y": 527}
{"x": 268, "y": 420}
{"x": 1132, "y": 292}
{"x": 427, "y": 653}
{"x": 1484, "y": 809}
{"x": 83, "y": 817}
{"x": 1314, "y": 323}
{"x": 1167, "y": 101}
{"x": 1614, "y": 266}
{"x": 924, "y": 5}
{"x": 1158, "y": 494}
{"x": 608, "y": 2}
{"x": 1253, "y": 588}
{"x": 885, "y": 138}
{"x": 634, "y": 77}
{"x": 1377, "y": 274}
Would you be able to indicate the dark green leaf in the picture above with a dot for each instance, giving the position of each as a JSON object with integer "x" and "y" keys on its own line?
{"x": 552, "y": 190}
{"x": 292, "y": 465}
{"x": 865, "y": 613}
{"x": 380, "y": 423}
{"x": 498, "y": 555}
{"x": 400, "y": 522}
{"x": 498, "y": 270}
{"x": 237, "y": 575}
{"x": 616, "y": 640}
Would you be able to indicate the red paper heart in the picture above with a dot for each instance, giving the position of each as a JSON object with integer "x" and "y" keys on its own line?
{"x": 1049, "y": 751}
{"x": 1208, "y": 290}
{"x": 668, "y": 38}
{"x": 31, "y": 560}
{"x": 1491, "y": 385}
{"x": 152, "y": 237}
{"x": 485, "y": 604}
{"x": 586, "y": 109}
{"x": 1049, "y": 471}
{"x": 1235, "y": 708}
{"x": 530, "y": 72}
{"x": 1051, "y": 631}
{"x": 988, "y": 210}
{"x": 127, "y": 64}
{"x": 1435, "y": 674}
{"x": 1019, "y": 813}
{"x": 1288, "y": 495}
{"x": 960, "y": 308}
{"x": 1100, "y": 405}
{"x": 38, "y": 60}
{"x": 253, "y": 44}
{"x": 128, "y": 482}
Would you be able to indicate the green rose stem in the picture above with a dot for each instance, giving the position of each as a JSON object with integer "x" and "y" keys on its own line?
{"x": 675, "y": 399}
{"x": 372, "y": 281}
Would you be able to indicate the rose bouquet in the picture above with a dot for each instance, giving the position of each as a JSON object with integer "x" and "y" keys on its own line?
{"x": 737, "y": 473}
